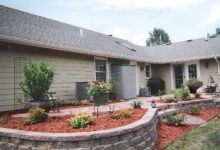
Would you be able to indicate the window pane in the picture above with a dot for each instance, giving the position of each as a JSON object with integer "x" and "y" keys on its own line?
{"x": 192, "y": 71}
{"x": 100, "y": 65}
{"x": 147, "y": 71}
{"x": 100, "y": 76}
{"x": 100, "y": 70}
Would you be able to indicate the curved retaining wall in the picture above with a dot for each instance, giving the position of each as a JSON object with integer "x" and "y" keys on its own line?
{"x": 138, "y": 135}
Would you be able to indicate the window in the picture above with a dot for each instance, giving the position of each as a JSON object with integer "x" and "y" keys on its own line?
{"x": 147, "y": 71}
{"x": 100, "y": 70}
{"x": 192, "y": 71}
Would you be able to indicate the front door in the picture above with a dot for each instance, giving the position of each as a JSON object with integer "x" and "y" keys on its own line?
{"x": 178, "y": 75}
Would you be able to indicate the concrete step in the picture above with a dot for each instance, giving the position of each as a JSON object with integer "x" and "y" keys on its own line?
{"x": 163, "y": 107}
{"x": 163, "y": 113}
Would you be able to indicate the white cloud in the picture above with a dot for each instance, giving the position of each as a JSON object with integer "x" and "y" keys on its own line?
{"x": 213, "y": 15}
{"x": 119, "y": 32}
{"x": 139, "y": 39}
{"x": 144, "y": 4}
{"x": 123, "y": 33}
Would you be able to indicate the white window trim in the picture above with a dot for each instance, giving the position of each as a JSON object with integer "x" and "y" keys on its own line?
{"x": 107, "y": 67}
{"x": 145, "y": 71}
{"x": 186, "y": 65}
{"x": 185, "y": 71}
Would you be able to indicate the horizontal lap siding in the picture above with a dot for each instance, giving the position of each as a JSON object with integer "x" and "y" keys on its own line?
{"x": 163, "y": 71}
{"x": 142, "y": 81}
{"x": 205, "y": 72}
{"x": 68, "y": 70}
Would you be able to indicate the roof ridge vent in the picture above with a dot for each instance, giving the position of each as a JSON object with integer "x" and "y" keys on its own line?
{"x": 189, "y": 40}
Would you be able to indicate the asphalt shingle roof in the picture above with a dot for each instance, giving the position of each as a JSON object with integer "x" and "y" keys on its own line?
{"x": 25, "y": 28}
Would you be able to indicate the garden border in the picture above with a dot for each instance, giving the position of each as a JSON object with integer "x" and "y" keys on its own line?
{"x": 138, "y": 135}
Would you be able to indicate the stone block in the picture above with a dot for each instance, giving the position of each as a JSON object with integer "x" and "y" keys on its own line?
{"x": 135, "y": 141}
{"x": 103, "y": 147}
{"x": 121, "y": 145}
{"x": 23, "y": 147}
{"x": 66, "y": 145}
{"x": 141, "y": 146}
{"x": 2, "y": 145}
{"x": 15, "y": 140}
{"x": 11, "y": 146}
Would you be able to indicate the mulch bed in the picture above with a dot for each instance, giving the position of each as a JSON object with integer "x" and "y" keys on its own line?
{"x": 208, "y": 113}
{"x": 69, "y": 106}
{"x": 61, "y": 124}
{"x": 168, "y": 134}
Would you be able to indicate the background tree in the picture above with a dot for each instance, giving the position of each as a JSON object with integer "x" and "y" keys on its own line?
{"x": 157, "y": 37}
{"x": 217, "y": 30}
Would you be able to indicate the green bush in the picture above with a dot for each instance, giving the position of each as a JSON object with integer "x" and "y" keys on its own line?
{"x": 169, "y": 99}
{"x": 193, "y": 84}
{"x": 38, "y": 79}
{"x": 85, "y": 102}
{"x": 98, "y": 88}
{"x": 175, "y": 120}
{"x": 114, "y": 85}
{"x": 4, "y": 119}
{"x": 136, "y": 104}
{"x": 122, "y": 114}
{"x": 182, "y": 93}
{"x": 36, "y": 115}
{"x": 81, "y": 120}
{"x": 194, "y": 110}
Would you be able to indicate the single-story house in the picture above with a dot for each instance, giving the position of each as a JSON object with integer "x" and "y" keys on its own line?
{"x": 81, "y": 55}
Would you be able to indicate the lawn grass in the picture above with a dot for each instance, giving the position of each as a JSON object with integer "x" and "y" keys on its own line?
{"x": 205, "y": 137}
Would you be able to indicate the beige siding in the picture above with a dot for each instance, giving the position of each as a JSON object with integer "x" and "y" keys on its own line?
{"x": 163, "y": 71}
{"x": 69, "y": 69}
{"x": 142, "y": 81}
{"x": 205, "y": 72}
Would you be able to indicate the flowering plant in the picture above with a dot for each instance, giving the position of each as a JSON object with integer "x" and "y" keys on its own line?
{"x": 98, "y": 88}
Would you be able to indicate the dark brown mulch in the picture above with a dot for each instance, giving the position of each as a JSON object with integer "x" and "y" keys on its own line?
{"x": 168, "y": 134}
{"x": 208, "y": 114}
{"x": 61, "y": 124}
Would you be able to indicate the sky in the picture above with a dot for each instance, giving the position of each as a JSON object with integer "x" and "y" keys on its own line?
{"x": 130, "y": 19}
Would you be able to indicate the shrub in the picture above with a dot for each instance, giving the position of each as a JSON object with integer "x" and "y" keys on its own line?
{"x": 85, "y": 102}
{"x": 4, "y": 119}
{"x": 81, "y": 120}
{"x": 57, "y": 103}
{"x": 36, "y": 115}
{"x": 169, "y": 99}
{"x": 194, "y": 110}
{"x": 175, "y": 120}
{"x": 99, "y": 88}
{"x": 193, "y": 84}
{"x": 113, "y": 84}
{"x": 38, "y": 79}
{"x": 122, "y": 114}
{"x": 182, "y": 93}
{"x": 136, "y": 104}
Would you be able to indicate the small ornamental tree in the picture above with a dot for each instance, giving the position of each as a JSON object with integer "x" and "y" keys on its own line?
{"x": 38, "y": 78}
